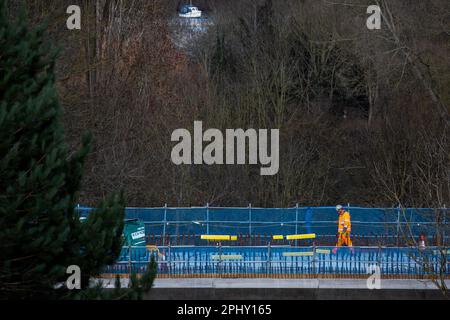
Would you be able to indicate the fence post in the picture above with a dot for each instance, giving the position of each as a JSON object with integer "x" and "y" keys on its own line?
{"x": 314, "y": 259}
{"x": 398, "y": 225}
{"x": 296, "y": 223}
{"x": 250, "y": 221}
{"x": 129, "y": 259}
{"x": 379, "y": 259}
{"x": 220, "y": 259}
{"x": 443, "y": 242}
{"x": 268, "y": 258}
{"x": 207, "y": 218}
{"x": 169, "y": 262}
{"x": 165, "y": 223}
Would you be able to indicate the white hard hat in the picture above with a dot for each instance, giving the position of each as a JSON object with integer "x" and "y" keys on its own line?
{"x": 338, "y": 207}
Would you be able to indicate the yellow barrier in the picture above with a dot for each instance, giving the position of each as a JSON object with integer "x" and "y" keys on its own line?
{"x": 218, "y": 237}
{"x": 278, "y": 237}
{"x": 152, "y": 248}
{"x": 323, "y": 251}
{"x": 298, "y": 254}
{"x": 226, "y": 257}
{"x": 301, "y": 236}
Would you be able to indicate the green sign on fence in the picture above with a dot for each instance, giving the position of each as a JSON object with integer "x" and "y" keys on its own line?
{"x": 134, "y": 233}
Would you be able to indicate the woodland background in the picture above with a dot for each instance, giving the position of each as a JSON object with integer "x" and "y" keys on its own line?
{"x": 363, "y": 115}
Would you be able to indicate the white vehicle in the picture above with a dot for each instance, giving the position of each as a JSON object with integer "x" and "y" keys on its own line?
{"x": 190, "y": 11}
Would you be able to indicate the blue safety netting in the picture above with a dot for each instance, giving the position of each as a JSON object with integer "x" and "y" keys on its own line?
{"x": 296, "y": 220}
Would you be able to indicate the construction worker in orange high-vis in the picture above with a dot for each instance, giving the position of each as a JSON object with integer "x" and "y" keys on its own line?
{"x": 344, "y": 227}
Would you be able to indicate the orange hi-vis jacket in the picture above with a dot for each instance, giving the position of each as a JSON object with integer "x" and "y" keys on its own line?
{"x": 344, "y": 222}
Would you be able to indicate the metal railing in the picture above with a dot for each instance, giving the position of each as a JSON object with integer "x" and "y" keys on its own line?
{"x": 284, "y": 261}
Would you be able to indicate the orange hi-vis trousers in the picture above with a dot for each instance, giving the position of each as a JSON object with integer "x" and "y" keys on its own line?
{"x": 344, "y": 239}
{"x": 344, "y": 224}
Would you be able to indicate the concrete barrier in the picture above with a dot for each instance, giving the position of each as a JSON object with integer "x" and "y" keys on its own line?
{"x": 290, "y": 294}
{"x": 288, "y": 289}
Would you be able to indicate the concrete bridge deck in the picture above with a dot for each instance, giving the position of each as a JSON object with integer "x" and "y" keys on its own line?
{"x": 288, "y": 289}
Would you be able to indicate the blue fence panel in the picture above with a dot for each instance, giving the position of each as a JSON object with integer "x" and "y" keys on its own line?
{"x": 229, "y": 220}
{"x": 320, "y": 220}
{"x": 275, "y": 221}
